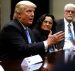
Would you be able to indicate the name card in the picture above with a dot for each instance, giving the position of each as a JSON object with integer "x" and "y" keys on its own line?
{"x": 31, "y": 63}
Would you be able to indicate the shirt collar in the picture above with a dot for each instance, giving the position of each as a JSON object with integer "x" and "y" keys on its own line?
{"x": 67, "y": 22}
{"x": 23, "y": 26}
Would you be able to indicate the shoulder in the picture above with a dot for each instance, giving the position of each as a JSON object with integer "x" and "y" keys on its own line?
{"x": 60, "y": 20}
{"x": 11, "y": 25}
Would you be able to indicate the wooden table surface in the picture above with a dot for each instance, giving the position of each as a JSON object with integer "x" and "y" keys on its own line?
{"x": 51, "y": 59}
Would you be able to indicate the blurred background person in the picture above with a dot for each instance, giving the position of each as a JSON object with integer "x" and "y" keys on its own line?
{"x": 44, "y": 26}
{"x": 63, "y": 25}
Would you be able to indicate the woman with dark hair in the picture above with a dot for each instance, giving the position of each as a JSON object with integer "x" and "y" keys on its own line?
{"x": 45, "y": 24}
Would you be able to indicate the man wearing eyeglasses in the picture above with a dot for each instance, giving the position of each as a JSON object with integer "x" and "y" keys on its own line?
{"x": 62, "y": 24}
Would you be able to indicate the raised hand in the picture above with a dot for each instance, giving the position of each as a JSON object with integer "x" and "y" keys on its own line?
{"x": 55, "y": 38}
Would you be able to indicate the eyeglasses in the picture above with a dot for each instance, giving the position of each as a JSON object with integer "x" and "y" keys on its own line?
{"x": 69, "y": 11}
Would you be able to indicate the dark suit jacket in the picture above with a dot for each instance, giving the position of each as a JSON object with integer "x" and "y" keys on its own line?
{"x": 41, "y": 35}
{"x": 14, "y": 41}
{"x": 60, "y": 27}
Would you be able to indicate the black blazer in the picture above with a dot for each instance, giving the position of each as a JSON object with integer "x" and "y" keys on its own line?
{"x": 41, "y": 35}
{"x": 60, "y": 27}
{"x": 14, "y": 41}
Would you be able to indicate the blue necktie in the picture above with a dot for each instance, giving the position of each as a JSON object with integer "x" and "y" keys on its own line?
{"x": 70, "y": 31}
{"x": 28, "y": 36}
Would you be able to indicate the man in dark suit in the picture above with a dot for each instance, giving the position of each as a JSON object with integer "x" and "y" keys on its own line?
{"x": 14, "y": 40}
{"x": 69, "y": 13}
{"x": 62, "y": 25}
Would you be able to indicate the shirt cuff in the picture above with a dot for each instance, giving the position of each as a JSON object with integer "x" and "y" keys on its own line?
{"x": 46, "y": 45}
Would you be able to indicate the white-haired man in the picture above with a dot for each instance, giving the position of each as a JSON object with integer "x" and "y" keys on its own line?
{"x": 62, "y": 25}
{"x": 17, "y": 39}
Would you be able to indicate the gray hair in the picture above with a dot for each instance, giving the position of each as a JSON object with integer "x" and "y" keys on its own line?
{"x": 69, "y": 5}
{"x": 20, "y": 6}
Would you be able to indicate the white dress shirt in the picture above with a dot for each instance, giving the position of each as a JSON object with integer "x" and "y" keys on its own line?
{"x": 67, "y": 43}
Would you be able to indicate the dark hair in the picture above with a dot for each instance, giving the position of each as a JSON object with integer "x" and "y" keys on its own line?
{"x": 42, "y": 18}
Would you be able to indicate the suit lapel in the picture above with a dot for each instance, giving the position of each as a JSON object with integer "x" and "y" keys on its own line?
{"x": 62, "y": 26}
{"x": 74, "y": 27}
{"x": 21, "y": 29}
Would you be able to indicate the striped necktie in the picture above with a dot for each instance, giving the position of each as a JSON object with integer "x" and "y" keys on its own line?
{"x": 70, "y": 31}
{"x": 28, "y": 36}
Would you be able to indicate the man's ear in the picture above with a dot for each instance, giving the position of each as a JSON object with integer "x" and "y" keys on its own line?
{"x": 19, "y": 15}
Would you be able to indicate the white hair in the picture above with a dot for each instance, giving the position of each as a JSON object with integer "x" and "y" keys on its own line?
{"x": 69, "y": 5}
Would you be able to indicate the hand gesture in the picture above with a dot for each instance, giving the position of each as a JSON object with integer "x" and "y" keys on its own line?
{"x": 55, "y": 38}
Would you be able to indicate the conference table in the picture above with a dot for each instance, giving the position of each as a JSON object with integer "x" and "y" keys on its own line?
{"x": 50, "y": 59}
